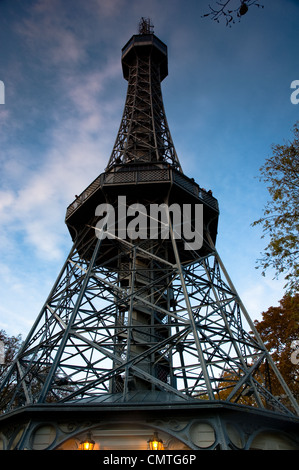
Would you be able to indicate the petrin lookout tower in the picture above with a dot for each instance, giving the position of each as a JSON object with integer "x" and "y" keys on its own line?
{"x": 143, "y": 341}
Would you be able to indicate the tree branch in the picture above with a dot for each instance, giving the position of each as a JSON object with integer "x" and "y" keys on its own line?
{"x": 228, "y": 12}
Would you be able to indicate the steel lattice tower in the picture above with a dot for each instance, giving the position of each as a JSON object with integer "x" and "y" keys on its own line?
{"x": 136, "y": 321}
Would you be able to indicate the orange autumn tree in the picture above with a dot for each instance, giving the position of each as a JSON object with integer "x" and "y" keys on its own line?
{"x": 279, "y": 330}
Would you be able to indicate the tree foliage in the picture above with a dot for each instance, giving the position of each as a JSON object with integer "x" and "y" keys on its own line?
{"x": 11, "y": 347}
{"x": 281, "y": 214}
{"x": 279, "y": 330}
{"x": 10, "y": 391}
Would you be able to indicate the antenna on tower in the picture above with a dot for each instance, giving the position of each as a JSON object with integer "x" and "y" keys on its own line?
{"x": 145, "y": 26}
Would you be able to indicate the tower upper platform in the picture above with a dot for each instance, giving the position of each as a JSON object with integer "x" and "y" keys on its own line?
{"x": 141, "y": 45}
{"x": 145, "y": 43}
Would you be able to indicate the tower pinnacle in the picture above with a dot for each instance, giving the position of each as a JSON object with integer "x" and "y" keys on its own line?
{"x": 144, "y": 135}
{"x": 145, "y": 26}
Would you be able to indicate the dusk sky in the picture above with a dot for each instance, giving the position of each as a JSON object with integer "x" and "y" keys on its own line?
{"x": 227, "y": 101}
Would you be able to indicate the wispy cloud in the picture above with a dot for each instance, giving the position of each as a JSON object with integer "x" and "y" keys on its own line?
{"x": 77, "y": 128}
{"x": 109, "y": 8}
{"x": 55, "y": 139}
{"x": 47, "y": 27}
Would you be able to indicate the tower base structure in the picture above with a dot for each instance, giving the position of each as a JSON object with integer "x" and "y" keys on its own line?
{"x": 114, "y": 425}
{"x": 119, "y": 405}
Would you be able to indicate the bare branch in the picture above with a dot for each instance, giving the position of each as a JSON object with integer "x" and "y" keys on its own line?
{"x": 229, "y": 12}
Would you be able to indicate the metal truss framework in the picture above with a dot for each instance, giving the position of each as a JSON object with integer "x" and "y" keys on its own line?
{"x": 125, "y": 315}
{"x": 144, "y": 134}
{"x": 150, "y": 324}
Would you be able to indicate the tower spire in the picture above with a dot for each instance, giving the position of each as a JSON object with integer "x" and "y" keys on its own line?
{"x": 144, "y": 135}
{"x": 145, "y": 26}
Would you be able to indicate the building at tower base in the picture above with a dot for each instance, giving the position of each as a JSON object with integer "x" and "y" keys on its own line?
{"x": 114, "y": 425}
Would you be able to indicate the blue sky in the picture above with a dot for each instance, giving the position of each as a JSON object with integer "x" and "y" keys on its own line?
{"x": 227, "y": 100}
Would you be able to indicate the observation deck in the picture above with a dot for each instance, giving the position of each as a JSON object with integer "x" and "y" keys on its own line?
{"x": 138, "y": 182}
{"x": 143, "y": 45}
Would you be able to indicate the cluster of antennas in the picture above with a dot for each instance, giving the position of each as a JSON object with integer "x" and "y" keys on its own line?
{"x": 145, "y": 26}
